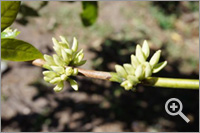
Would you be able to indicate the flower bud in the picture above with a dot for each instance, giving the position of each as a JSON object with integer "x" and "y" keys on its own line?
{"x": 65, "y": 56}
{"x": 134, "y": 61}
{"x": 64, "y": 41}
{"x": 120, "y": 71}
{"x": 148, "y": 70}
{"x": 155, "y": 58}
{"x": 73, "y": 84}
{"x": 129, "y": 69}
{"x": 58, "y": 60}
{"x": 59, "y": 87}
{"x": 80, "y": 63}
{"x": 49, "y": 74}
{"x": 63, "y": 77}
{"x": 127, "y": 85}
{"x": 55, "y": 80}
{"x": 47, "y": 79}
{"x": 49, "y": 59}
{"x": 139, "y": 54}
{"x": 75, "y": 72}
{"x": 145, "y": 49}
{"x": 55, "y": 42}
{"x": 74, "y": 45}
{"x": 139, "y": 72}
{"x": 159, "y": 66}
{"x": 68, "y": 51}
{"x": 58, "y": 69}
{"x": 69, "y": 71}
{"x": 133, "y": 79}
{"x": 57, "y": 49}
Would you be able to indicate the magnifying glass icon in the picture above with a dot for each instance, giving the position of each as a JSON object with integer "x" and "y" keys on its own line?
{"x": 172, "y": 103}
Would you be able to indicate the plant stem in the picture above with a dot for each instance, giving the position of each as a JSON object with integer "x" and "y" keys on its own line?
{"x": 150, "y": 81}
{"x": 172, "y": 82}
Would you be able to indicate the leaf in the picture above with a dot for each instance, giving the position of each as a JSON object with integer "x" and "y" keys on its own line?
{"x": 18, "y": 50}
{"x": 90, "y": 12}
{"x": 9, "y": 10}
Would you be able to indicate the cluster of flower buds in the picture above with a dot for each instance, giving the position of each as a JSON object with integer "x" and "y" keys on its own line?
{"x": 9, "y": 33}
{"x": 61, "y": 64}
{"x": 140, "y": 68}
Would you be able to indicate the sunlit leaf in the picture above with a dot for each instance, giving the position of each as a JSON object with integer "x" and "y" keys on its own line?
{"x": 18, "y": 50}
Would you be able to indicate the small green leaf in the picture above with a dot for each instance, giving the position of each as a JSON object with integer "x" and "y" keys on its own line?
{"x": 90, "y": 12}
{"x": 9, "y": 10}
{"x": 18, "y": 50}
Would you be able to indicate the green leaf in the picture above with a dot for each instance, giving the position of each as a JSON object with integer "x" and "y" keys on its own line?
{"x": 9, "y": 10}
{"x": 90, "y": 12}
{"x": 18, "y": 50}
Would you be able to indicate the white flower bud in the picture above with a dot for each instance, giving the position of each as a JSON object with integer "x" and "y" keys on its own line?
{"x": 120, "y": 71}
{"x": 148, "y": 70}
{"x": 68, "y": 51}
{"x": 133, "y": 79}
{"x": 65, "y": 56}
{"x": 55, "y": 42}
{"x": 69, "y": 71}
{"x": 139, "y": 72}
{"x": 159, "y": 66}
{"x": 64, "y": 41}
{"x": 129, "y": 69}
{"x": 134, "y": 61}
{"x": 58, "y": 69}
{"x": 145, "y": 49}
{"x": 47, "y": 79}
{"x": 139, "y": 54}
{"x": 57, "y": 49}
{"x": 155, "y": 58}
{"x": 49, "y": 59}
{"x": 58, "y": 60}
{"x": 127, "y": 85}
{"x": 55, "y": 80}
{"x": 73, "y": 84}
{"x": 63, "y": 77}
{"x": 74, "y": 45}
{"x": 49, "y": 74}
{"x": 59, "y": 87}
{"x": 80, "y": 63}
{"x": 75, "y": 72}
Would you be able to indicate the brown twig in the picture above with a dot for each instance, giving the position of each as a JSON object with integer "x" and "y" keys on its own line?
{"x": 86, "y": 73}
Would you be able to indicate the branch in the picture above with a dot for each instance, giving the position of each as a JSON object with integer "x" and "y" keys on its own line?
{"x": 150, "y": 81}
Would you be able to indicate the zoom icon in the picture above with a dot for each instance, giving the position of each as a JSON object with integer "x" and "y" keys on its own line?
{"x": 173, "y": 107}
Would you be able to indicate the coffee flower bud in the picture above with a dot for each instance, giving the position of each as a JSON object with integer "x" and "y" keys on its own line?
{"x": 145, "y": 49}
{"x": 59, "y": 87}
{"x": 139, "y": 69}
{"x": 155, "y": 58}
{"x": 60, "y": 64}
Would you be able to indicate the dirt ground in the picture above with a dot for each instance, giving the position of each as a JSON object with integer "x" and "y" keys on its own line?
{"x": 28, "y": 103}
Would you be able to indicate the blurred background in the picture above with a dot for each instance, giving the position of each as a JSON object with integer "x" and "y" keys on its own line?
{"x": 29, "y": 104}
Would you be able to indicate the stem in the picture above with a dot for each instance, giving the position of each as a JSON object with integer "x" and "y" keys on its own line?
{"x": 150, "y": 81}
{"x": 172, "y": 82}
